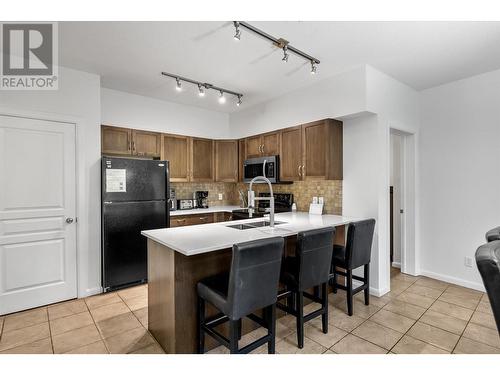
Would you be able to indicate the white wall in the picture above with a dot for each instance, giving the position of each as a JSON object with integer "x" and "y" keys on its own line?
{"x": 338, "y": 96}
{"x": 460, "y": 174}
{"x": 134, "y": 111}
{"x": 359, "y": 193}
{"x": 78, "y": 96}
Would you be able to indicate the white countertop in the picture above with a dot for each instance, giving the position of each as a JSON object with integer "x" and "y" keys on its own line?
{"x": 201, "y": 211}
{"x": 198, "y": 239}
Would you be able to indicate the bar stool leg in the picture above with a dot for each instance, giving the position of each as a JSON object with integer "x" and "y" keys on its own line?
{"x": 349, "y": 291}
{"x": 334, "y": 284}
{"x": 300, "y": 319}
{"x": 316, "y": 291}
{"x": 271, "y": 330}
{"x": 233, "y": 336}
{"x": 324, "y": 306}
{"x": 239, "y": 329}
{"x": 201, "y": 323}
{"x": 367, "y": 282}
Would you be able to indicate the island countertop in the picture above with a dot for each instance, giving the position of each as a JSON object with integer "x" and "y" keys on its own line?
{"x": 199, "y": 239}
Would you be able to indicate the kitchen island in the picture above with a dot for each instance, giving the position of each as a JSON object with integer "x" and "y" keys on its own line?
{"x": 179, "y": 257}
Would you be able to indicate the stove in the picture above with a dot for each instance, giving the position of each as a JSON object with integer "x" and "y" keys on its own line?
{"x": 282, "y": 203}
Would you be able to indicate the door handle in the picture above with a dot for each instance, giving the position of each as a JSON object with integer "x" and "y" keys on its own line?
{"x": 298, "y": 170}
{"x": 69, "y": 220}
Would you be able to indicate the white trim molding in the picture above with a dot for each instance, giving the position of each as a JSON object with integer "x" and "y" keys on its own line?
{"x": 454, "y": 280}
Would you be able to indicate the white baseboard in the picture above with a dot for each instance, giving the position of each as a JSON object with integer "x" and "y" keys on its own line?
{"x": 91, "y": 291}
{"x": 453, "y": 280}
{"x": 378, "y": 292}
{"x": 396, "y": 265}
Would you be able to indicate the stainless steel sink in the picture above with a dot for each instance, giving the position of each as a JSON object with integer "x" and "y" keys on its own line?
{"x": 257, "y": 224}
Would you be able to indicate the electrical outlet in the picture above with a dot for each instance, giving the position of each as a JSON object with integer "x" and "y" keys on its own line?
{"x": 468, "y": 262}
{"x": 220, "y": 196}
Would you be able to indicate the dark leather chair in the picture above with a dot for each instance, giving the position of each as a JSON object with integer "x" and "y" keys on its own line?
{"x": 309, "y": 268}
{"x": 488, "y": 264}
{"x": 493, "y": 234}
{"x": 251, "y": 284}
{"x": 356, "y": 253}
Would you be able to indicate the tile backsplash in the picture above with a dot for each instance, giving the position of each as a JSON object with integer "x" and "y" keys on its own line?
{"x": 303, "y": 192}
{"x": 185, "y": 190}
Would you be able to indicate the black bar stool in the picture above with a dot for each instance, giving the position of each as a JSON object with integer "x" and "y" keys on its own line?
{"x": 488, "y": 264}
{"x": 309, "y": 268}
{"x": 493, "y": 234}
{"x": 251, "y": 284}
{"x": 356, "y": 253}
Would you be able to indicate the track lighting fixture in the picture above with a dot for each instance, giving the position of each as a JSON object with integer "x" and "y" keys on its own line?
{"x": 285, "y": 54}
{"x": 203, "y": 86}
{"x": 201, "y": 91}
{"x": 277, "y": 42}
{"x": 313, "y": 67}
{"x": 222, "y": 98}
{"x": 237, "y": 34}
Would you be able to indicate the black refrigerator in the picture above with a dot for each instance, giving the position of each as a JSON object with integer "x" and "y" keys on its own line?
{"x": 134, "y": 198}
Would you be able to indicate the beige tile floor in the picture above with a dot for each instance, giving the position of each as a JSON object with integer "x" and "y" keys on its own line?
{"x": 419, "y": 315}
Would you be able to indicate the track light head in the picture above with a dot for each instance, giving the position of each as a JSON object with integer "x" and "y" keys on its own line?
{"x": 178, "y": 87}
{"x": 239, "y": 102}
{"x": 201, "y": 90}
{"x": 222, "y": 98}
{"x": 285, "y": 54}
{"x": 313, "y": 67}
{"x": 237, "y": 35}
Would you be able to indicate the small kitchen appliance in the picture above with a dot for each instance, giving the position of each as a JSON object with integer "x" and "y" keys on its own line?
{"x": 202, "y": 199}
{"x": 185, "y": 204}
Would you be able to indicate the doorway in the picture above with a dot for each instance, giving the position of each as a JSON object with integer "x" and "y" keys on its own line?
{"x": 402, "y": 203}
{"x": 37, "y": 212}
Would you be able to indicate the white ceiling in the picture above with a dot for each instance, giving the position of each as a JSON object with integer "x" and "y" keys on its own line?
{"x": 129, "y": 56}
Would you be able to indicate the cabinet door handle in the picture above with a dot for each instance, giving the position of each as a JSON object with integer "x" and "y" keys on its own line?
{"x": 263, "y": 146}
{"x": 203, "y": 218}
{"x": 303, "y": 171}
{"x": 298, "y": 170}
{"x": 181, "y": 220}
{"x": 133, "y": 146}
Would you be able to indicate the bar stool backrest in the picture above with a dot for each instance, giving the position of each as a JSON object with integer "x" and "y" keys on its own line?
{"x": 493, "y": 234}
{"x": 488, "y": 264}
{"x": 254, "y": 275}
{"x": 314, "y": 256}
{"x": 359, "y": 243}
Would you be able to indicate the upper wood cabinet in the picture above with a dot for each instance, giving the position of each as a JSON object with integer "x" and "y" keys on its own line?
{"x": 241, "y": 159}
{"x": 116, "y": 141}
{"x": 146, "y": 143}
{"x": 291, "y": 154}
{"x": 176, "y": 149}
{"x": 253, "y": 147}
{"x": 122, "y": 141}
{"x": 262, "y": 145}
{"x": 226, "y": 161}
{"x": 322, "y": 150}
{"x": 202, "y": 160}
{"x": 312, "y": 151}
{"x": 271, "y": 144}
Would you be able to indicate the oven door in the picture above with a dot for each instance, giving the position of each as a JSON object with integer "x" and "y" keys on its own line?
{"x": 267, "y": 166}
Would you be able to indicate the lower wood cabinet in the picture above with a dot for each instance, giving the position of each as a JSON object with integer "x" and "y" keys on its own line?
{"x": 197, "y": 219}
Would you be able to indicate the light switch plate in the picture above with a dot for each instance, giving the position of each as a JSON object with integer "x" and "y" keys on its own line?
{"x": 220, "y": 196}
{"x": 468, "y": 262}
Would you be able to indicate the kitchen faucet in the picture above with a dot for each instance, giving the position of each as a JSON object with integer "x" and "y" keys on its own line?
{"x": 252, "y": 198}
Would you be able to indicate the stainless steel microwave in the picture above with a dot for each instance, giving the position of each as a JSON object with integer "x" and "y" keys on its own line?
{"x": 268, "y": 166}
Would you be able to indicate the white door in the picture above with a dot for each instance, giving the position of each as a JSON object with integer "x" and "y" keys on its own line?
{"x": 37, "y": 213}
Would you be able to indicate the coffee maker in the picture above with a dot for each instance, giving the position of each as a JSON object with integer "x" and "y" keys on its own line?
{"x": 201, "y": 199}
